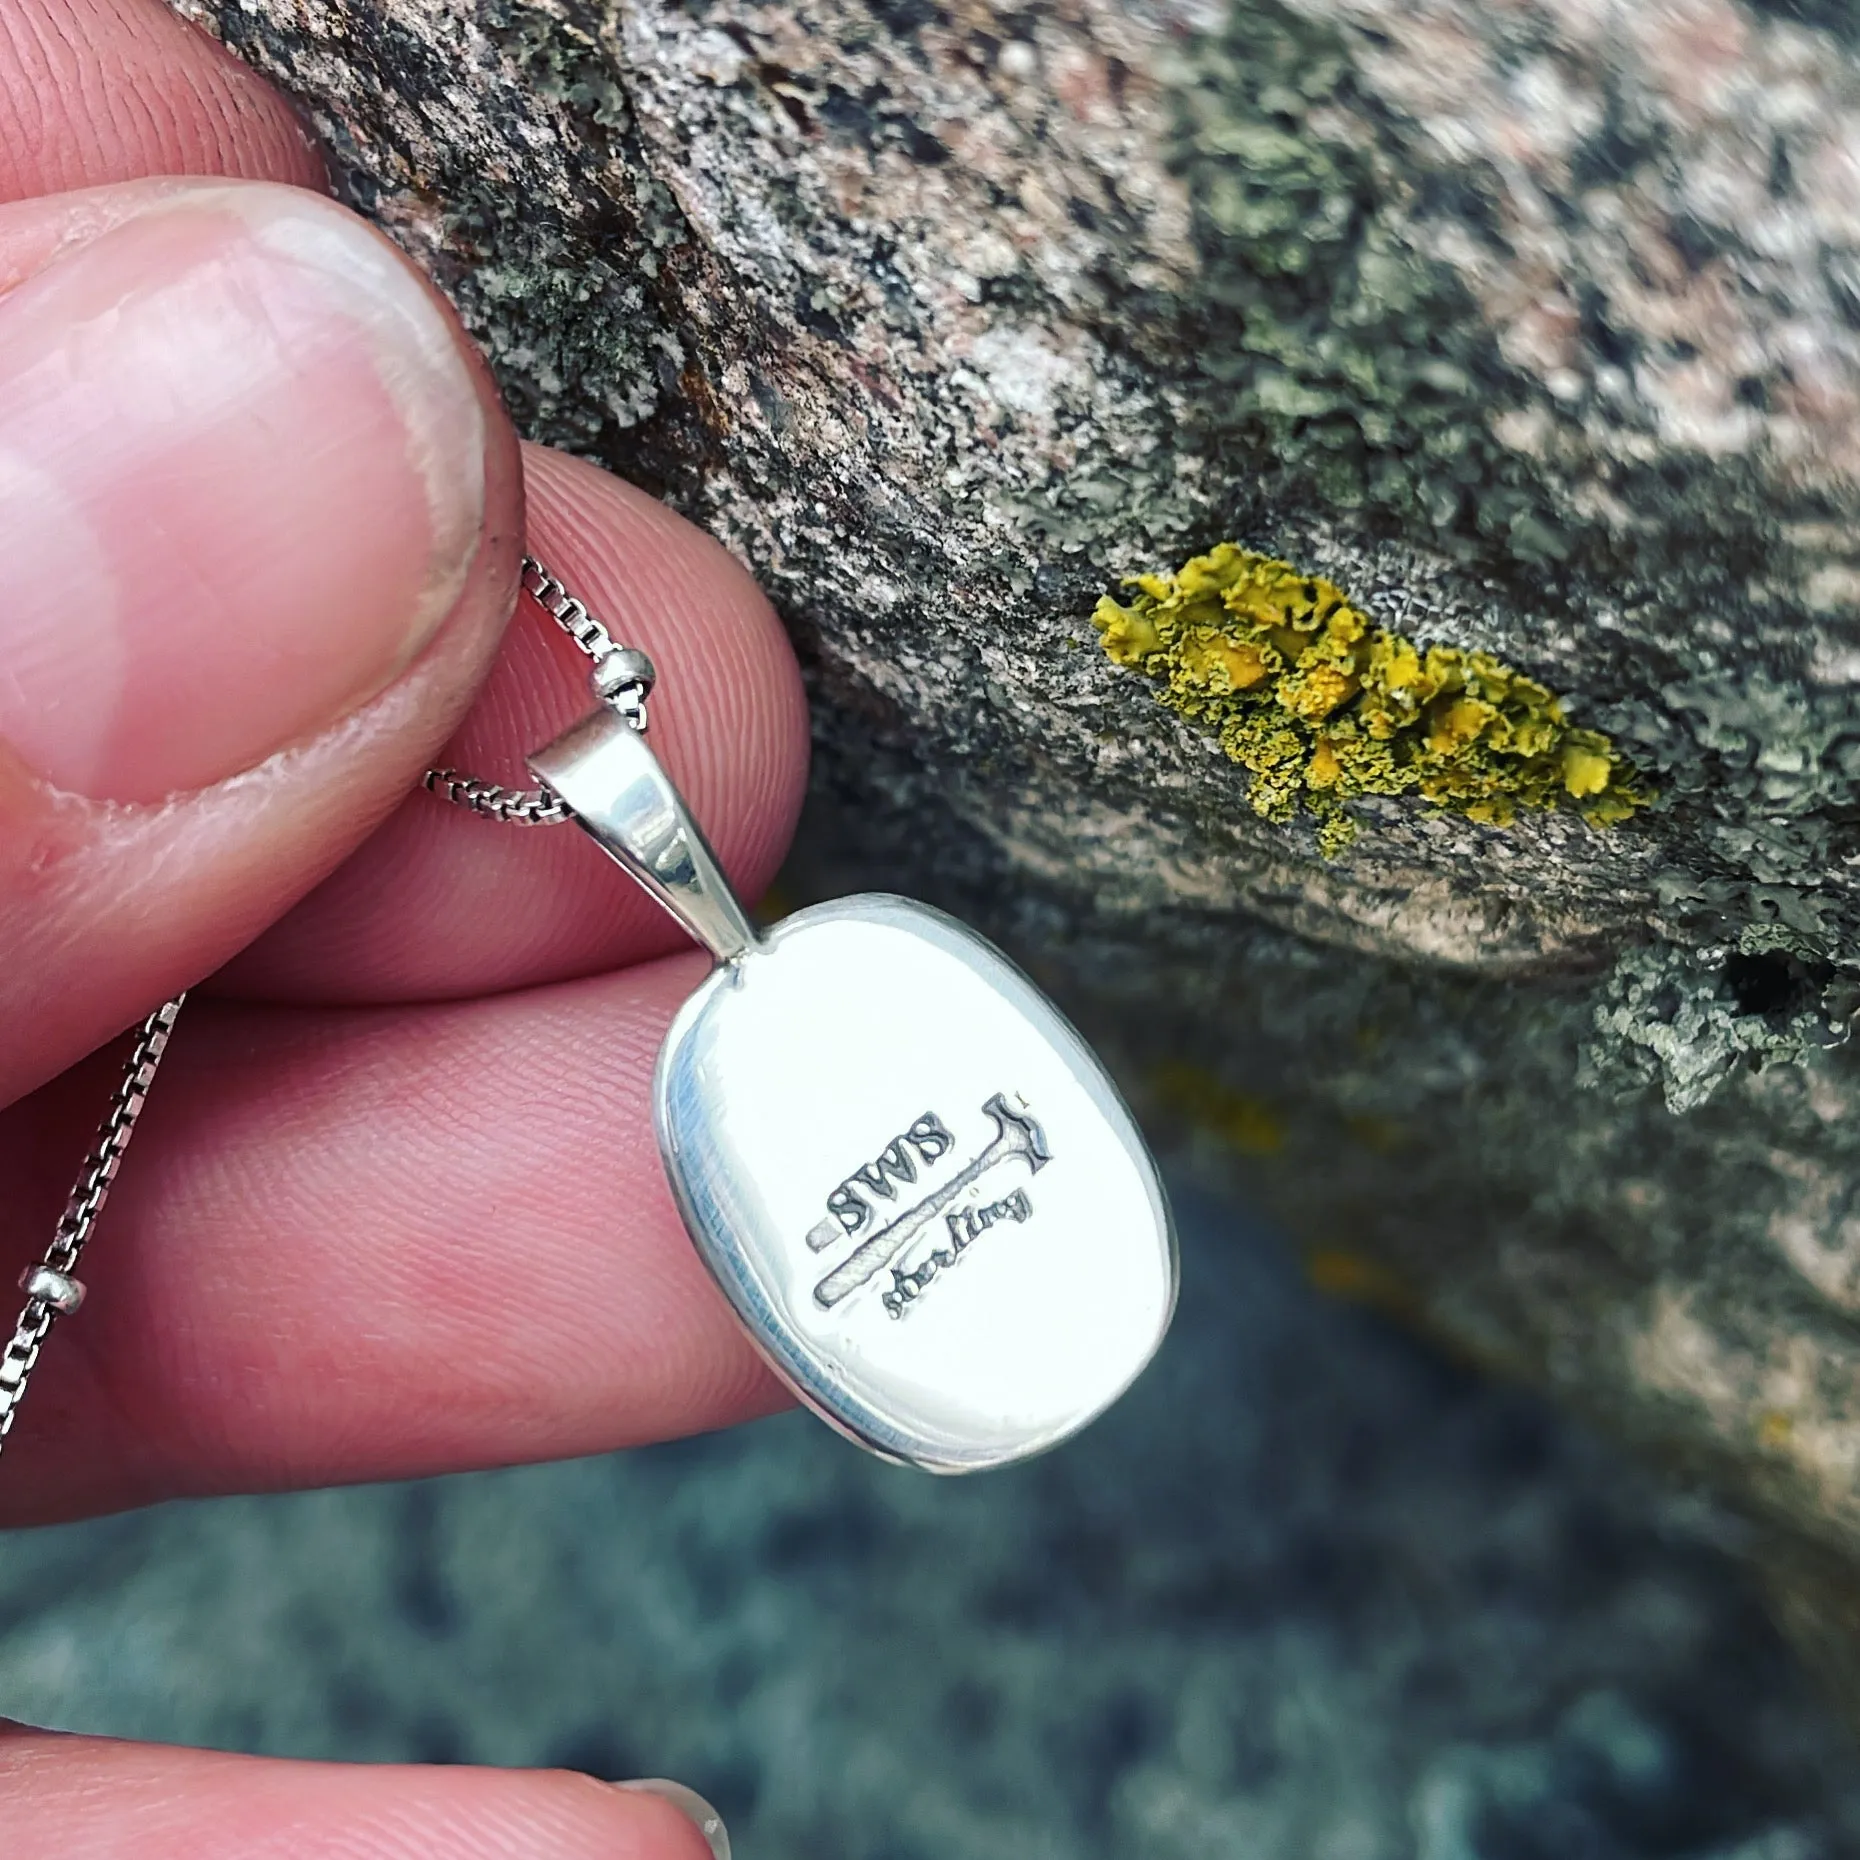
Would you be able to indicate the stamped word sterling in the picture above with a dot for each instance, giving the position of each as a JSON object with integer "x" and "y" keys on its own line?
{"x": 772, "y": 1075}
{"x": 964, "y": 1225}
{"x": 1017, "y": 1136}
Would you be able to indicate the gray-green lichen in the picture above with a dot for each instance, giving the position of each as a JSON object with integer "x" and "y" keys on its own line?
{"x": 1683, "y": 1020}
{"x": 558, "y": 283}
{"x": 1335, "y": 352}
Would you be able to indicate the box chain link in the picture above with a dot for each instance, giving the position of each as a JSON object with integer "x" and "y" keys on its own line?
{"x": 622, "y": 679}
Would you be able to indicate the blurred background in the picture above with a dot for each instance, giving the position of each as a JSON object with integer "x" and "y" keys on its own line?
{"x": 1311, "y": 1593}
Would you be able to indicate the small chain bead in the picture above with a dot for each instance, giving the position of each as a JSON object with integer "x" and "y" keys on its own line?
{"x": 623, "y": 677}
{"x": 57, "y": 1289}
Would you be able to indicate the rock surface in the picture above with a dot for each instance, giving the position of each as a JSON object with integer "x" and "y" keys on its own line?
{"x": 1308, "y": 1595}
{"x": 1534, "y": 327}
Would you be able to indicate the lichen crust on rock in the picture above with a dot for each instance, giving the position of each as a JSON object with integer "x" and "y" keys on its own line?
{"x": 1321, "y": 705}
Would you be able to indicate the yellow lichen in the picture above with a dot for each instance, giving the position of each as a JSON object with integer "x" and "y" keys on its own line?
{"x": 1339, "y": 1272}
{"x": 1239, "y": 1119}
{"x": 1383, "y": 1135}
{"x": 1321, "y": 705}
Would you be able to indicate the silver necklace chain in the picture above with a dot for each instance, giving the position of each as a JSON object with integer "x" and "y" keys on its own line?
{"x": 52, "y": 1291}
{"x": 622, "y": 679}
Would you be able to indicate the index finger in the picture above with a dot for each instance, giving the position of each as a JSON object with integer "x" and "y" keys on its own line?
{"x": 372, "y": 1243}
{"x": 440, "y": 904}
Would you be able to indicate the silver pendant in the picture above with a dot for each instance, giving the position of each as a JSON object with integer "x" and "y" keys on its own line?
{"x": 913, "y": 1181}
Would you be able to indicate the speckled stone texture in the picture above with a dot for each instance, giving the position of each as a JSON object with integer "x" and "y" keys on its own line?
{"x": 1536, "y": 326}
{"x": 1309, "y": 1594}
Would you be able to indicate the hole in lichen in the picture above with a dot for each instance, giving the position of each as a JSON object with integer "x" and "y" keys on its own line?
{"x": 1774, "y": 982}
{"x": 1321, "y": 705}
{"x": 783, "y": 86}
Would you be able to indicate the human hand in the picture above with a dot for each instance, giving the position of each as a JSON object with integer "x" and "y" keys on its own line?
{"x": 397, "y": 1208}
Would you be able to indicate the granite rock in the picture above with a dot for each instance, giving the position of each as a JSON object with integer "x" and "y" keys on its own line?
{"x": 1535, "y": 327}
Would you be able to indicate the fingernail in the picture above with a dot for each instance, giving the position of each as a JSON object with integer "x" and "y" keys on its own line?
{"x": 241, "y": 482}
{"x": 692, "y": 1805}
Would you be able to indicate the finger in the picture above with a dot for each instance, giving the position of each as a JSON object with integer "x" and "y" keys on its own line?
{"x": 259, "y": 520}
{"x": 97, "y": 91}
{"x": 372, "y": 1243}
{"x": 81, "y": 1798}
{"x": 440, "y": 903}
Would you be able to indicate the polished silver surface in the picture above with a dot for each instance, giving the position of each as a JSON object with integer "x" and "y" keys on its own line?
{"x": 605, "y": 773}
{"x": 916, "y": 1185}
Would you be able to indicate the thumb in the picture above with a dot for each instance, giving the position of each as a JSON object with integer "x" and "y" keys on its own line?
{"x": 260, "y": 520}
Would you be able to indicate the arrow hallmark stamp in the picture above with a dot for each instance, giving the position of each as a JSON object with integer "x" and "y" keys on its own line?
{"x": 1018, "y": 1138}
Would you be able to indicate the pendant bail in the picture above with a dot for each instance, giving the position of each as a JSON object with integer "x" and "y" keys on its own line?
{"x": 621, "y": 796}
